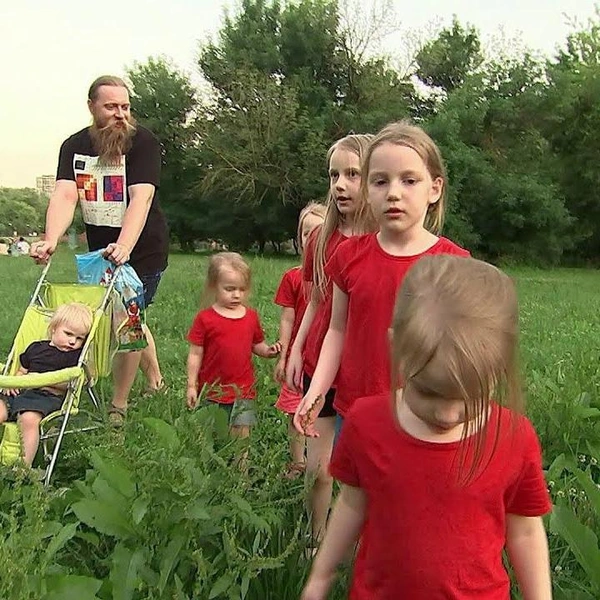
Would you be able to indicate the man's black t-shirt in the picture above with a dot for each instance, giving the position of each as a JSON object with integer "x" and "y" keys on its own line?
{"x": 103, "y": 195}
{"x": 41, "y": 357}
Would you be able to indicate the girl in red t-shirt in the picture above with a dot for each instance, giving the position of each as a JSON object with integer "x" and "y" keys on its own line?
{"x": 439, "y": 477}
{"x": 404, "y": 181}
{"x": 293, "y": 295}
{"x": 344, "y": 161}
{"x": 222, "y": 341}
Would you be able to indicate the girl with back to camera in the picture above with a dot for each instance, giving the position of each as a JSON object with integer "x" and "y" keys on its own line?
{"x": 404, "y": 182}
{"x": 222, "y": 340}
{"x": 293, "y": 295}
{"x": 344, "y": 163}
{"x": 445, "y": 473}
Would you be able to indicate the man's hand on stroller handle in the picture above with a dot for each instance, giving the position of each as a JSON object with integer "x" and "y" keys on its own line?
{"x": 42, "y": 251}
{"x": 117, "y": 253}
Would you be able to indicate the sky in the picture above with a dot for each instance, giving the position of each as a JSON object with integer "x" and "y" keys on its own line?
{"x": 52, "y": 51}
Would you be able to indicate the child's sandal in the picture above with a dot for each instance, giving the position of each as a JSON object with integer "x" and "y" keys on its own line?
{"x": 294, "y": 470}
{"x": 161, "y": 389}
{"x": 116, "y": 416}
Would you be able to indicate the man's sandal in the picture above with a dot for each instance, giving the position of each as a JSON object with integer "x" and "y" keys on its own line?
{"x": 116, "y": 415}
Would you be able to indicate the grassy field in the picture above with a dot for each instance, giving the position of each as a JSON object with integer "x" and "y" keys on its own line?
{"x": 246, "y": 537}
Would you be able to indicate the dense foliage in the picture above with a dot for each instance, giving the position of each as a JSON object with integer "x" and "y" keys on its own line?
{"x": 283, "y": 80}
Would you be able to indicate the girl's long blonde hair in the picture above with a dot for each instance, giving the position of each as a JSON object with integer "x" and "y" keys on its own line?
{"x": 216, "y": 264}
{"x": 403, "y": 133}
{"x": 363, "y": 221}
{"x": 455, "y": 336}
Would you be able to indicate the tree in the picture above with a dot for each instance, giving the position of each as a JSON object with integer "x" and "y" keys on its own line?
{"x": 21, "y": 210}
{"x": 446, "y": 61}
{"x": 164, "y": 100}
{"x": 505, "y": 192}
{"x": 287, "y": 84}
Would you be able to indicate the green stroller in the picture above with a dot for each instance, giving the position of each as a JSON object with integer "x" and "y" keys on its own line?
{"x": 95, "y": 362}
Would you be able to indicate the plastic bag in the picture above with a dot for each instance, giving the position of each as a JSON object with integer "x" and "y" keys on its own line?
{"x": 129, "y": 314}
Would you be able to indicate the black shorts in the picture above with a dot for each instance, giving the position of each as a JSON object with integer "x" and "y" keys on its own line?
{"x": 150, "y": 282}
{"x": 327, "y": 410}
{"x": 38, "y": 401}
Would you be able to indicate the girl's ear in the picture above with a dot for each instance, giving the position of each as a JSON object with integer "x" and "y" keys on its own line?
{"x": 437, "y": 187}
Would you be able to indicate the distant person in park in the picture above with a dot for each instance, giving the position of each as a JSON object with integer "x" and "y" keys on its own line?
{"x": 293, "y": 295}
{"x": 112, "y": 169}
{"x": 23, "y": 246}
{"x": 344, "y": 204}
{"x": 223, "y": 337}
{"x": 443, "y": 473}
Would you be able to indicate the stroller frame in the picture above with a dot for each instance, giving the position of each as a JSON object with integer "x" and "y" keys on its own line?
{"x": 77, "y": 378}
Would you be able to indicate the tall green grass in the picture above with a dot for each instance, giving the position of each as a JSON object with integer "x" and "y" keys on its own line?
{"x": 256, "y": 545}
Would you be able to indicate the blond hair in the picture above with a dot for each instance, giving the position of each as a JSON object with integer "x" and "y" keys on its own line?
{"x": 111, "y": 80}
{"x": 216, "y": 264}
{"x": 312, "y": 208}
{"x": 74, "y": 314}
{"x": 455, "y": 336}
{"x": 403, "y": 133}
{"x": 362, "y": 222}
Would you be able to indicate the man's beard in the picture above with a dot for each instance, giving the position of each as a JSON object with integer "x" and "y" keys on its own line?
{"x": 113, "y": 140}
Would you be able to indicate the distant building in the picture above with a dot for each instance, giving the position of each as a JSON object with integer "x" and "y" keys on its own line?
{"x": 45, "y": 184}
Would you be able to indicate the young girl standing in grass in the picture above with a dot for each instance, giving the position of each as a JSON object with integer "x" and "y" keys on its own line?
{"x": 404, "y": 181}
{"x": 443, "y": 474}
{"x": 344, "y": 204}
{"x": 222, "y": 341}
{"x": 293, "y": 295}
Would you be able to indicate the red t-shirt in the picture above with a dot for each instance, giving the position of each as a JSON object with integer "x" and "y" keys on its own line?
{"x": 320, "y": 324}
{"x": 227, "y": 360}
{"x": 292, "y": 293}
{"x": 370, "y": 277}
{"x": 426, "y": 536}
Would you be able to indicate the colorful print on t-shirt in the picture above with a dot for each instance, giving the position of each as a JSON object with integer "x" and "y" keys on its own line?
{"x": 87, "y": 189}
{"x": 101, "y": 190}
{"x": 113, "y": 188}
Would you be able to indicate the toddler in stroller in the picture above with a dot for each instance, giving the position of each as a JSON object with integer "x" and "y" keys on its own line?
{"x": 67, "y": 331}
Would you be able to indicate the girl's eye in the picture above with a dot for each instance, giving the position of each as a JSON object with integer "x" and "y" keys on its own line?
{"x": 354, "y": 173}
{"x": 410, "y": 181}
{"x": 378, "y": 182}
{"x": 333, "y": 176}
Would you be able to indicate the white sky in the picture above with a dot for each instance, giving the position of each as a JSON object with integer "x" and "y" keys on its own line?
{"x": 52, "y": 51}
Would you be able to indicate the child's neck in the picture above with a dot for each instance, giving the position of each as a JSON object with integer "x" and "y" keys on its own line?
{"x": 231, "y": 313}
{"x": 406, "y": 243}
{"x": 346, "y": 226}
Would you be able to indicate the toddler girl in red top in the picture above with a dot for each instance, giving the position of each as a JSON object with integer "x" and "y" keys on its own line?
{"x": 404, "y": 182}
{"x": 344, "y": 161}
{"x": 293, "y": 295}
{"x": 441, "y": 476}
{"x": 222, "y": 341}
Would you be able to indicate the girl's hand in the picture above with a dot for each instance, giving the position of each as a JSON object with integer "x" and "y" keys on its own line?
{"x": 293, "y": 371}
{"x": 279, "y": 373}
{"x": 192, "y": 397}
{"x": 273, "y": 350}
{"x": 306, "y": 415}
{"x": 317, "y": 587}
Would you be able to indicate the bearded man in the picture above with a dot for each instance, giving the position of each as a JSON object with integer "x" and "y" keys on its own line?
{"x": 112, "y": 169}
